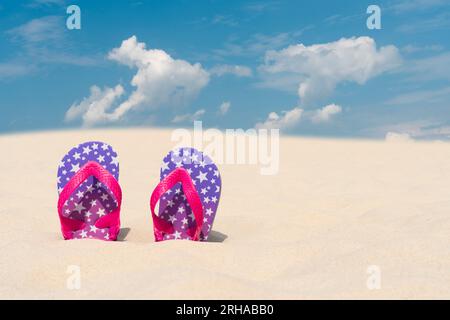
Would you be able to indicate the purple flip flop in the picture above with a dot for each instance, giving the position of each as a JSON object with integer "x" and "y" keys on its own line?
{"x": 89, "y": 194}
{"x": 189, "y": 193}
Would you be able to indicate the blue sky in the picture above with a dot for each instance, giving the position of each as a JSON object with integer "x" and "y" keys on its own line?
{"x": 307, "y": 67}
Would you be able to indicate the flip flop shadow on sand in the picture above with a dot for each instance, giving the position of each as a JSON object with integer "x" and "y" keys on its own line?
{"x": 216, "y": 236}
{"x": 123, "y": 234}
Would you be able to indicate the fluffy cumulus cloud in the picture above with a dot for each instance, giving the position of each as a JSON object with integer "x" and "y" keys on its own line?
{"x": 160, "y": 80}
{"x": 286, "y": 120}
{"x": 224, "y": 108}
{"x": 316, "y": 70}
{"x": 237, "y": 70}
{"x": 326, "y": 113}
{"x": 94, "y": 108}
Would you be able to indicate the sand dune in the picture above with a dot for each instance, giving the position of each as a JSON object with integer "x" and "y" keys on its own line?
{"x": 336, "y": 208}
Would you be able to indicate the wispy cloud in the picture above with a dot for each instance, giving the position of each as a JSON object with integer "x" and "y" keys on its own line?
{"x": 42, "y": 41}
{"x": 405, "y": 6}
{"x": 420, "y": 97}
{"x": 415, "y": 130}
{"x": 45, "y": 3}
{"x": 189, "y": 117}
{"x": 226, "y": 20}
{"x": 411, "y": 48}
{"x": 237, "y": 70}
{"x": 258, "y": 43}
{"x": 261, "y": 6}
{"x": 49, "y": 28}
{"x": 224, "y": 108}
{"x": 13, "y": 69}
{"x": 439, "y": 21}
{"x": 435, "y": 67}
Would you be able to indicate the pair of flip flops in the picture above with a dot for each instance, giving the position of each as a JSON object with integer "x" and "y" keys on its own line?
{"x": 90, "y": 196}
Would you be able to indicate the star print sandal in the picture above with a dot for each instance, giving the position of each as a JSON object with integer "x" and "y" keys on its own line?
{"x": 189, "y": 193}
{"x": 89, "y": 193}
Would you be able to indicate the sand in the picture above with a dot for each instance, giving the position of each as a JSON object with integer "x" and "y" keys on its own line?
{"x": 338, "y": 214}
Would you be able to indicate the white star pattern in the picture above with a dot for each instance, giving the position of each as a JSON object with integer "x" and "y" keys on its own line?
{"x": 115, "y": 161}
{"x": 177, "y": 235}
{"x": 202, "y": 176}
{"x": 86, "y": 150}
{"x": 79, "y": 207}
{"x": 165, "y": 166}
{"x": 75, "y": 168}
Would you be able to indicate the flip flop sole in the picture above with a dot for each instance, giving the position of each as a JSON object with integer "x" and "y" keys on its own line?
{"x": 174, "y": 207}
{"x": 91, "y": 200}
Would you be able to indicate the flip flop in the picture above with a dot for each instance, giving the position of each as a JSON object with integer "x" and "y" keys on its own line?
{"x": 89, "y": 193}
{"x": 189, "y": 193}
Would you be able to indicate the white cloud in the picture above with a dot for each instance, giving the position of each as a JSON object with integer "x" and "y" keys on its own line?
{"x": 45, "y": 3}
{"x": 189, "y": 117}
{"x": 421, "y": 96}
{"x": 319, "y": 68}
{"x": 326, "y": 113}
{"x": 398, "y": 137}
{"x": 411, "y": 48}
{"x": 287, "y": 120}
{"x": 257, "y": 43}
{"x": 159, "y": 81}
{"x": 48, "y": 28}
{"x": 261, "y": 6}
{"x": 432, "y": 68}
{"x": 94, "y": 109}
{"x": 439, "y": 21}
{"x": 13, "y": 69}
{"x": 237, "y": 70}
{"x": 224, "y": 108}
{"x": 411, "y": 5}
{"x": 44, "y": 41}
{"x": 416, "y": 130}
{"x": 226, "y": 20}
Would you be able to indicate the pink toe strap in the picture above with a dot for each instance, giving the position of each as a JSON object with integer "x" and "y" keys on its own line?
{"x": 162, "y": 226}
{"x": 111, "y": 220}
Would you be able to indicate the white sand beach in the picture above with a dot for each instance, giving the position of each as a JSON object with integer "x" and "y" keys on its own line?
{"x": 335, "y": 208}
